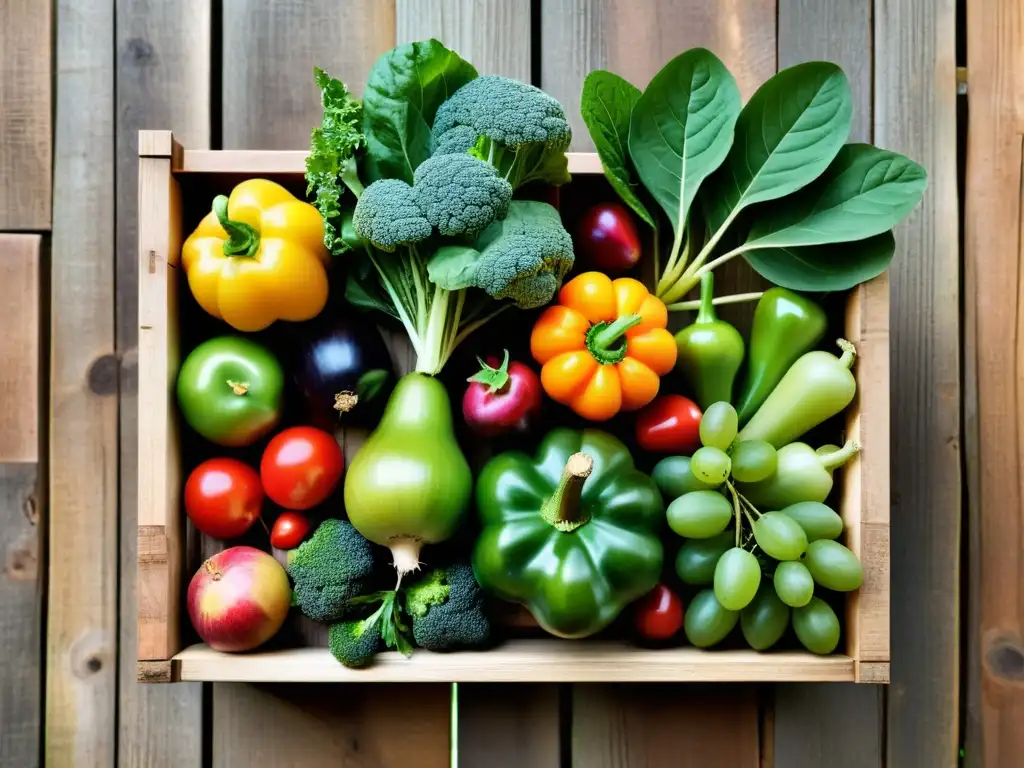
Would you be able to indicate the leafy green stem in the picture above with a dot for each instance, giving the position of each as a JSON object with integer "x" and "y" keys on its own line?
{"x": 736, "y": 298}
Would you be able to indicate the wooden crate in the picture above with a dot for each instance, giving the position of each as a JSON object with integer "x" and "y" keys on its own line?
{"x": 864, "y": 497}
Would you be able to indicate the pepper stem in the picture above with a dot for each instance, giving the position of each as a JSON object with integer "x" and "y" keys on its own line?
{"x": 243, "y": 240}
{"x": 849, "y": 352}
{"x": 840, "y": 457}
{"x": 495, "y": 379}
{"x": 603, "y": 335}
{"x": 238, "y": 387}
{"x": 563, "y": 509}
{"x": 706, "y": 313}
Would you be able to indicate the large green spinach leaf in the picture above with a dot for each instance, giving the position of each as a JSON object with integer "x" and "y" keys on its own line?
{"x": 786, "y": 136}
{"x": 865, "y": 191}
{"x": 606, "y": 104}
{"x": 831, "y": 267}
{"x": 681, "y": 130}
{"x": 404, "y": 90}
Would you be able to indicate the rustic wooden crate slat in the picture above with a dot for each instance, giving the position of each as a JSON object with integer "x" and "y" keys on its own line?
{"x": 507, "y": 725}
{"x": 81, "y": 646}
{"x": 636, "y": 39}
{"x": 163, "y": 79}
{"x": 26, "y": 28}
{"x": 839, "y": 726}
{"x": 993, "y": 256}
{"x": 21, "y": 500}
{"x": 915, "y": 113}
{"x": 528, "y": 661}
{"x": 661, "y": 726}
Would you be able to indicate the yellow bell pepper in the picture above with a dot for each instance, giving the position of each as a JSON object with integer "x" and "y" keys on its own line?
{"x": 257, "y": 257}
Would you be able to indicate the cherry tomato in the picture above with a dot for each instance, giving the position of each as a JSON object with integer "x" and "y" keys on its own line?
{"x": 670, "y": 424}
{"x": 223, "y": 497}
{"x": 607, "y": 238}
{"x": 300, "y": 467}
{"x": 289, "y": 530}
{"x": 659, "y": 614}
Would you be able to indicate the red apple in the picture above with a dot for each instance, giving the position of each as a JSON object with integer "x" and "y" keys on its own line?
{"x": 607, "y": 238}
{"x": 239, "y": 599}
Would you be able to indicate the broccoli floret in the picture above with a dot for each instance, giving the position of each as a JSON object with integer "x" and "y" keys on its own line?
{"x": 333, "y": 566}
{"x": 520, "y": 130}
{"x": 354, "y": 643}
{"x": 447, "y": 610}
{"x": 460, "y": 195}
{"x": 457, "y": 141}
{"x": 387, "y": 215}
{"x": 522, "y": 258}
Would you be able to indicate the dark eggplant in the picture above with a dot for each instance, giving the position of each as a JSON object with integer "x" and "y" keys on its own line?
{"x": 342, "y": 371}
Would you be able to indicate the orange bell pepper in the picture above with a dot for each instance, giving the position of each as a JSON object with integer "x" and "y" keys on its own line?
{"x": 604, "y": 346}
{"x": 257, "y": 257}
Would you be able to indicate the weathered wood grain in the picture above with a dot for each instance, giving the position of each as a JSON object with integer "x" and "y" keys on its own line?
{"x": 662, "y": 726}
{"x": 829, "y": 724}
{"x": 915, "y": 113}
{"x": 25, "y": 114}
{"x": 21, "y": 502}
{"x": 492, "y": 34}
{"x": 498, "y": 725}
{"x": 805, "y": 716}
{"x": 994, "y": 230}
{"x": 163, "y": 82}
{"x": 317, "y": 726}
{"x": 635, "y": 40}
{"x": 81, "y": 648}
{"x": 269, "y": 52}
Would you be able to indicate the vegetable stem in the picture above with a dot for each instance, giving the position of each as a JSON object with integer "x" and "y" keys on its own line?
{"x": 738, "y": 523}
{"x": 601, "y": 336}
{"x": 706, "y": 313}
{"x": 840, "y": 457}
{"x": 656, "y": 254}
{"x": 563, "y": 510}
{"x": 849, "y": 353}
{"x": 243, "y": 240}
{"x": 736, "y": 298}
{"x": 431, "y": 357}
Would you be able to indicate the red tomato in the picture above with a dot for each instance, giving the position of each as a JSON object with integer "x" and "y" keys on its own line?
{"x": 607, "y": 238}
{"x": 223, "y": 498}
{"x": 659, "y": 614}
{"x": 289, "y": 530}
{"x": 669, "y": 424}
{"x": 300, "y": 467}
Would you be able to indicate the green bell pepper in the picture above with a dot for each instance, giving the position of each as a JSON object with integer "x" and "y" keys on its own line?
{"x": 571, "y": 534}
{"x": 785, "y": 326}
{"x": 710, "y": 351}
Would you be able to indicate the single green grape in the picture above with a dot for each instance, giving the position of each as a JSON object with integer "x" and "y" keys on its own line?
{"x": 753, "y": 461}
{"x": 816, "y": 626}
{"x": 673, "y": 477}
{"x": 707, "y": 622}
{"x": 737, "y": 577}
{"x": 818, "y": 520}
{"x": 764, "y": 621}
{"x": 699, "y": 514}
{"x": 780, "y": 536}
{"x": 711, "y": 465}
{"x": 793, "y": 583}
{"x": 718, "y": 426}
{"x": 697, "y": 558}
{"x": 834, "y": 566}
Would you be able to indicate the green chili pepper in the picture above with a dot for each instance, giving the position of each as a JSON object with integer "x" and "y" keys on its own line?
{"x": 802, "y": 474}
{"x": 815, "y": 388}
{"x": 710, "y": 351}
{"x": 785, "y": 326}
{"x": 571, "y": 534}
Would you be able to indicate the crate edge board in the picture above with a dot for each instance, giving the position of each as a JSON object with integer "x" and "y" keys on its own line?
{"x": 538, "y": 661}
{"x": 256, "y": 161}
{"x": 866, "y": 644}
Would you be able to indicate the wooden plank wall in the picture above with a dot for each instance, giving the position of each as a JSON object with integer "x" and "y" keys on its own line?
{"x": 238, "y": 74}
{"x": 993, "y": 349}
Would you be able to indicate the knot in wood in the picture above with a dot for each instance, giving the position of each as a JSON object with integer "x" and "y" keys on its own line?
{"x": 90, "y": 654}
{"x": 1006, "y": 660}
{"x": 103, "y": 375}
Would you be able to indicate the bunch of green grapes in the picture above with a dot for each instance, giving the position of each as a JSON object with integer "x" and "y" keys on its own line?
{"x": 757, "y": 569}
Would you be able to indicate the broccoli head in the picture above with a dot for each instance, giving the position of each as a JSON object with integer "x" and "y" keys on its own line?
{"x": 522, "y": 259}
{"x": 334, "y": 565}
{"x": 460, "y": 195}
{"x": 447, "y": 610}
{"x": 519, "y": 129}
{"x": 354, "y": 643}
{"x": 387, "y": 215}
